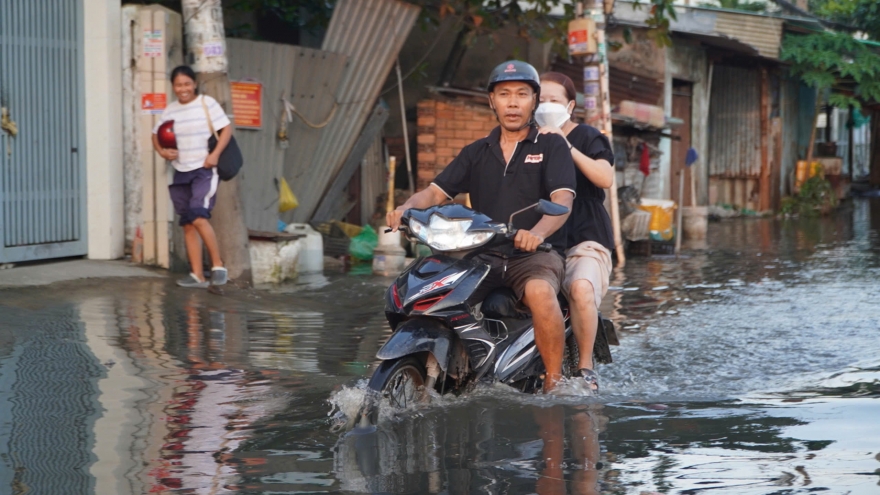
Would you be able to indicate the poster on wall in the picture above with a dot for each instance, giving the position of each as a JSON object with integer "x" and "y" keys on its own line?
{"x": 153, "y": 43}
{"x": 153, "y": 103}
{"x": 247, "y": 104}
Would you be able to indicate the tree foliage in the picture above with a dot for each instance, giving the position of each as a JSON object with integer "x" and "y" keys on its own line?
{"x": 307, "y": 15}
{"x": 825, "y": 60}
{"x": 533, "y": 19}
{"x": 302, "y": 15}
{"x": 863, "y": 15}
{"x": 481, "y": 18}
{"x": 662, "y": 13}
{"x": 743, "y": 5}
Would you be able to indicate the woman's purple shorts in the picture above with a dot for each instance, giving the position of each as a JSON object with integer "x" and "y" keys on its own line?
{"x": 194, "y": 193}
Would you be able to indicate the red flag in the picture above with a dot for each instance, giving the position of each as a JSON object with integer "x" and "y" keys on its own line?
{"x": 645, "y": 161}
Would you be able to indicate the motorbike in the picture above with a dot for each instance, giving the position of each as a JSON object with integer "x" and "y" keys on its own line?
{"x": 443, "y": 340}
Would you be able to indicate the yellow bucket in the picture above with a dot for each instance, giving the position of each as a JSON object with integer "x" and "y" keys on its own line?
{"x": 662, "y": 225}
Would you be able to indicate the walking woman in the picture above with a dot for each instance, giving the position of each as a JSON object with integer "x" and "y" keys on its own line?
{"x": 194, "y": 188}
{"x": 590, "y": 240}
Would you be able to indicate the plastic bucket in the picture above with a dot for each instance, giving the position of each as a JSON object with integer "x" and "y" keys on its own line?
{"x": 661, "y": 224}
{"x": 311, "y": 257}
{"x": 694, "y": 222}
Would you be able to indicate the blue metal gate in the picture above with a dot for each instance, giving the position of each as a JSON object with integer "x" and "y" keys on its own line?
{"x": 42, "y": 169}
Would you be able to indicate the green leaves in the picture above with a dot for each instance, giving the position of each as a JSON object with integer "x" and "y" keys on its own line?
{"x": 662, "y": 12}
{"x": 744, "y": 5}
{"x": 826, "y": 60}
{"x": 307, "y": 15}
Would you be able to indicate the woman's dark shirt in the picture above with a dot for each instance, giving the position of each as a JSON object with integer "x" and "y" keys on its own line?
{"x": 589, "y": 221}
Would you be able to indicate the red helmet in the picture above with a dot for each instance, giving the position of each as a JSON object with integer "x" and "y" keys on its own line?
{"x": 165, "y": 135}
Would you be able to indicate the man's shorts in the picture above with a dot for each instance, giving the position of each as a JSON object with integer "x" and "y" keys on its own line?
{"x": 516, "y": 272}
{"x": 194, "y": 193}
{"x": 588, "y": 261}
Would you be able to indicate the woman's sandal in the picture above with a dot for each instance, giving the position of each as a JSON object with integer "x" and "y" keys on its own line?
{"x": 589, "y": 376}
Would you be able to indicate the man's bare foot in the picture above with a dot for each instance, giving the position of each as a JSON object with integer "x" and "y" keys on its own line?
{"x": 550, "y": 381}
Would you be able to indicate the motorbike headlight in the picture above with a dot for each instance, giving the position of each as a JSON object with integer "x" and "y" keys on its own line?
{"x": 448, "y": 235}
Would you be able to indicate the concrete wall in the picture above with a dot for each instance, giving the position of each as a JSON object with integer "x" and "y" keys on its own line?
{"x": 103, "y": 118}
{"x": 148, "y": 209}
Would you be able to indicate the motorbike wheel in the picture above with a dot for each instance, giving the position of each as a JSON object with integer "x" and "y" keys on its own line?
{"x": 396, "y": 383}
{"x": 571, "y": 357}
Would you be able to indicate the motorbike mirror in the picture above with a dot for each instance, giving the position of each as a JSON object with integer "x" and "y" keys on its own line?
{"x": 543, "y": 207}
{"x": 550, "y": 208}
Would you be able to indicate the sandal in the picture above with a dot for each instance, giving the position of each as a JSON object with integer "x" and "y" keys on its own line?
{"x": 589, "y": 376}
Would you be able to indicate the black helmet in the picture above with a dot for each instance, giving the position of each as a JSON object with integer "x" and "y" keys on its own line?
{"x": 515, "y": 70}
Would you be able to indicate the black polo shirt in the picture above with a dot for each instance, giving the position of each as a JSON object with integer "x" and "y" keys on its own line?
{"x": 540, "y": 165}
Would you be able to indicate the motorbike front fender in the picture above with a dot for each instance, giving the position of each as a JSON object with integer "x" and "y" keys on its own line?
{"x": 419, "y": 335}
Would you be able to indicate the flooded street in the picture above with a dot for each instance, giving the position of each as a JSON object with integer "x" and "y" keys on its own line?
{"x": 751, "y": 367}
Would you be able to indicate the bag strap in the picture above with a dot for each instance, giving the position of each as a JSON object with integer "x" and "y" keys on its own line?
{"x": 208, "y": 116}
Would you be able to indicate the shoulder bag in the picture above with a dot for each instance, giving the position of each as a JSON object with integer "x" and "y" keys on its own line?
{"x": 231, "y": 160}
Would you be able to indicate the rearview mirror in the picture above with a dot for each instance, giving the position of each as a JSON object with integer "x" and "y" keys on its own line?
{"x": 543, "y": 207}
{"x": 550, "y": 208}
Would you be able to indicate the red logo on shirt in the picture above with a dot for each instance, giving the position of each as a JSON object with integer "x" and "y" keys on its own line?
{"x": 535, "y": 158}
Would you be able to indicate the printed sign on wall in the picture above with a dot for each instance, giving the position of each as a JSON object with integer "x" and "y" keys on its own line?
{"x": 153, "y": 103}
{"x": 247, "y": 104}
{"x": 153, "y": 43}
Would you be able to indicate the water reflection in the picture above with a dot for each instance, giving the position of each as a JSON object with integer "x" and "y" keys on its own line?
{"x": 747, "y": 367}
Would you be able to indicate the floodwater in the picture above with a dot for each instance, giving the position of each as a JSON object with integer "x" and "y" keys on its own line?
{"x": 752, "y": 367}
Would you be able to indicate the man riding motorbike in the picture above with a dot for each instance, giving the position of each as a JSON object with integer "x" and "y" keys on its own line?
{"x": 507, "y": 171}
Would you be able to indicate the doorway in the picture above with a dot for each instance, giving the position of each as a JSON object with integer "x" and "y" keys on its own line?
{"x": 682, "y": 96}
{"x": 42, "y": 169}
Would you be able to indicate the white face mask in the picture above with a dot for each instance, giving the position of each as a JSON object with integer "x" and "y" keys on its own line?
{"x": 552, "y": 114}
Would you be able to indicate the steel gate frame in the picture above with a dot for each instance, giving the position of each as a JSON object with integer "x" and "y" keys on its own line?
{"x": 51, "y": 221}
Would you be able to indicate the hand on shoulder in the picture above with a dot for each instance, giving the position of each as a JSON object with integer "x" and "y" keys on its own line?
{"x": 549, "y": 129}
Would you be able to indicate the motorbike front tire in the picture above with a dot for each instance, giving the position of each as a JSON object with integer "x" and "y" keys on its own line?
{"x": 396, "y": 383}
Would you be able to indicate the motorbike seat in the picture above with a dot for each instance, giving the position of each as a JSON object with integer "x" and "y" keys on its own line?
{"x": 501, "y": 303}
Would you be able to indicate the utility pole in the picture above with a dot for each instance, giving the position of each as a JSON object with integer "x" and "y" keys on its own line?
{"x": 206, "y": 53}
{"x": 597, "y": 99}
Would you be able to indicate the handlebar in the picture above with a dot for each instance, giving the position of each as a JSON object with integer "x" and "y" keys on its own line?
{"x": 544, "y": 247}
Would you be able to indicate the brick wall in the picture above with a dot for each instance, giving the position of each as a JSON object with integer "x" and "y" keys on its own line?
{"x": 444, "y": 128}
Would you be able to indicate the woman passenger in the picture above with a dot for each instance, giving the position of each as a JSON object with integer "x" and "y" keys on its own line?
{"x": 590, "y": 239}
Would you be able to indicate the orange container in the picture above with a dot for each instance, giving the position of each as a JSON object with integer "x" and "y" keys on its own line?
{"x": 582, "y": 37}
{"x": 805, "y": 171}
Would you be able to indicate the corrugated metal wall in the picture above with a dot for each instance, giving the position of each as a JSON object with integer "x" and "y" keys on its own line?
{"x": 374, "y": 175}
{"x": 309, "y": 79}
{"x": 371, "y": 33}
{"x": 762, "y": 32}
{"x": 735, "y": 123}
{"x": 42, "y": 170}
{"x": 624, "y": 85}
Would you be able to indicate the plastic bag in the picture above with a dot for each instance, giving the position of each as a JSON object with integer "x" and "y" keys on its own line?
{"x": 286, "y": 199}
{"x": 362, "y": 245}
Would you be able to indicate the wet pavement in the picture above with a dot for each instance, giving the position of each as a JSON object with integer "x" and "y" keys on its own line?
{"x": 751, "y": 367}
